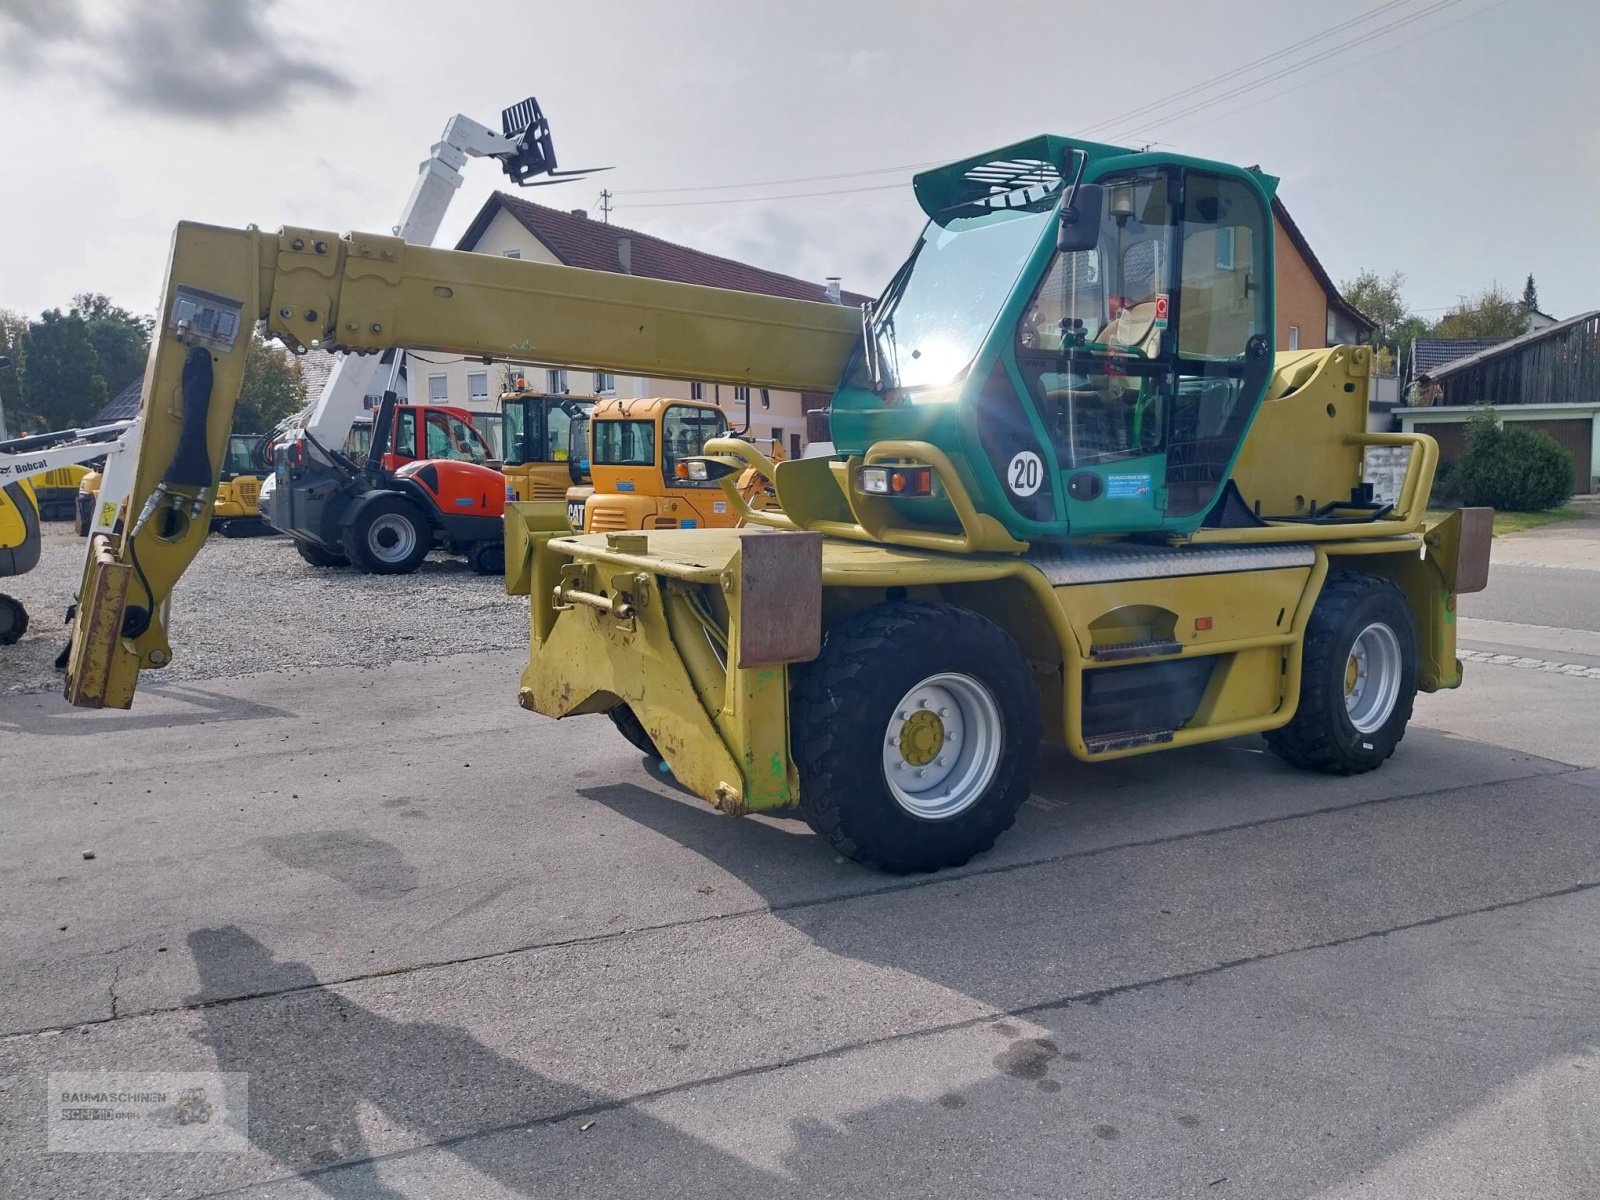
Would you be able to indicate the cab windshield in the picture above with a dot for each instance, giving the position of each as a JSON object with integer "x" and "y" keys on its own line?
{"x": 934, "y": 315}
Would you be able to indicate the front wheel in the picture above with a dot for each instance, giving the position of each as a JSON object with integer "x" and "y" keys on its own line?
{"x": 1358, "y": 679}
{"x": 914, "y": 734}
{"x": 388, "y": 537}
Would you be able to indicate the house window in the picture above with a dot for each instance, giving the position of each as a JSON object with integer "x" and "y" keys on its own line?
{"x": 438, "y": 389}
{"x": 741, "y": 395}
{"x": 511, "y": 253}
{"x": 604, "y": 384}
{"x": 697, "y": 391}
{"x": 1294, "y": 337}
{"x": 555, "y": 382}
{"x": 794, "y": 445}
{"x": 1225, "y": 245}
{"x": 477, "y": 387}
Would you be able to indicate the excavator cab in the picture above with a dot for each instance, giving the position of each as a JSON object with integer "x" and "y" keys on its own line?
{"x": 546, "y": 444}
{"x": 640, "y": 451}
{"x": 1085, "y": 330}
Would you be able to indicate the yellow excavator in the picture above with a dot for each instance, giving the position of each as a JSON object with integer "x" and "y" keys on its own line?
{"x": 639, "y": 451}
{"x": 1076, "y": 495}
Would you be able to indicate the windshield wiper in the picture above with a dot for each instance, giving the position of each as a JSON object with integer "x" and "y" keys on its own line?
{"x": 885, "y": 323}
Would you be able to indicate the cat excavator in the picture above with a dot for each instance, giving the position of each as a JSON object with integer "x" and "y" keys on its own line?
{"x": 1075, "y": 495}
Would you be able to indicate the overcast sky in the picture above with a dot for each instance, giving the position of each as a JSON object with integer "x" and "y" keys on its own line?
{"x": 1454, "y": 140}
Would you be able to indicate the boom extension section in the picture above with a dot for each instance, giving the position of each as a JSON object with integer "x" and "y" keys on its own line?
{"x": 367, "y": 293}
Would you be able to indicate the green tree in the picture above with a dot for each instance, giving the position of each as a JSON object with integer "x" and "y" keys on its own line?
{"x": 1396, "y": 326}
{"x": 120, "y": 339}
{"x": 1530, "y": 296}
{"x": 1379, "y": 298}
{"x": 1494, "y": 312}
{"x": 13, "y": 327}
{"x": 273, "y": 388}
{"x": 60, "y": 371}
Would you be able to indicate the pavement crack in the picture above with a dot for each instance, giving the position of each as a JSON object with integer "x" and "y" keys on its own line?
{"x": 1088, "y": 997}
{"x": 111, "y": 989}
{"x": 942, "y": 879}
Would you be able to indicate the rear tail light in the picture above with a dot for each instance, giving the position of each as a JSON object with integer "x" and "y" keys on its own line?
{"x": 895, "y": 481}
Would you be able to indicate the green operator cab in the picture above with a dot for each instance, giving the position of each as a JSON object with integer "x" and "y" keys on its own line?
{"x": 1090, "y": 330}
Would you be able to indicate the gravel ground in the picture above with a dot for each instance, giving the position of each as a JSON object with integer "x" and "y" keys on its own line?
{"x": 251, "y": 604}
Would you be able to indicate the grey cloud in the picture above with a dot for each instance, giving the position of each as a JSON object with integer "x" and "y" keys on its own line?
{"x": 208, "y": 62}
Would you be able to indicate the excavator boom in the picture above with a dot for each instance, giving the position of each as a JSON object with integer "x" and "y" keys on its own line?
{"x": 367, "y": 293}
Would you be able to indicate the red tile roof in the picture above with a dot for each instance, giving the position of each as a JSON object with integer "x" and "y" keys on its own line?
{"x": 579, "y": 241}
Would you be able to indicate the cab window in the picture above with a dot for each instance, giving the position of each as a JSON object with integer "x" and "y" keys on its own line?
{"x": 569, "y": 432}
{"x": 241, "y": 458}
{"x": 625, "y": 443}
{"x": 451, "y": 437}
{"x": 405, "y": 433}
{"x": 684, "y": 434}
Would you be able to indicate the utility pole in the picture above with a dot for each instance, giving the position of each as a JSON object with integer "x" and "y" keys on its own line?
{"x": 605, "y": 206}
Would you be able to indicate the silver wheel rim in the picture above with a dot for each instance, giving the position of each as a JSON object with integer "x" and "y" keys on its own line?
{"x": 391, "y": 538}
{"x": 1372, "y": 677}
{"x": 942, "y": 745}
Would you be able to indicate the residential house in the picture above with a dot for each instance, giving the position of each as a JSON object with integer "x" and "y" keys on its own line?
{"x": 1311, "y": 311}
{"x": 1548, "y": 379}
{"x": 516, "y": 228}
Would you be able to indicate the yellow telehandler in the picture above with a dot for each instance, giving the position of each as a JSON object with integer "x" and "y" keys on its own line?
{"x": 1076, "y": 495}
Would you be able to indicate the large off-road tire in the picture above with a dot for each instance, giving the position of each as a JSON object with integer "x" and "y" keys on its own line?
{"x": 389, "y": 537}
{"x": 629, "y": 727}
{"x": 1358, "y": 679}
{"x": 914, "y": 733}
{"x": 488, "y": 558}
{"x": 13, "y": 620}
{"x": 319, "y": 557}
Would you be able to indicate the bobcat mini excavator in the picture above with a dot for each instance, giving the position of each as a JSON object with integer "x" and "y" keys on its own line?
{"x": 1075, "y": 496}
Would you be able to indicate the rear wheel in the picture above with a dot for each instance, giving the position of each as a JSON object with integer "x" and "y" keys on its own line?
{"x": 389, "y": 537}
{"x": 1358, "y": 679}
{"x": 914, "y": 733}
{"x": 13, "y": 620}
{"x": 318, "y": 556}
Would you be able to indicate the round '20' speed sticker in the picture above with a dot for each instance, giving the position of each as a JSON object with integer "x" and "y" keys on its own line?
{"x": 1025, "y": 475}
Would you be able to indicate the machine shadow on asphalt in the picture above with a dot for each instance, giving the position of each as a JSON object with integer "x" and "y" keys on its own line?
{"x": 205, "y": 707}
{"x": 1383, "y": 1052}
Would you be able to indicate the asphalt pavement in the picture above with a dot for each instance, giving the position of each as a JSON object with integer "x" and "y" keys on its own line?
{"x": 510, "y": 960}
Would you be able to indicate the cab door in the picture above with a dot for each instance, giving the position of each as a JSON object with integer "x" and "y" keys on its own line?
{"x": 685, "y": 430}
{"x": 1146, "y": 357}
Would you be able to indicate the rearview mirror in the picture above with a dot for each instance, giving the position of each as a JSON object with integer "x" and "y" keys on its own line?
{"x": 1080, "y": 219}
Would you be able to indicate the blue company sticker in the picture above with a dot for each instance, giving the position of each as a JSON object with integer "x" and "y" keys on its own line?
{"x": 626, "y": 485}
{"x": 463, "y": 502}
{"x": 1127, "y": 487}
{"x": 688, "y": 524}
